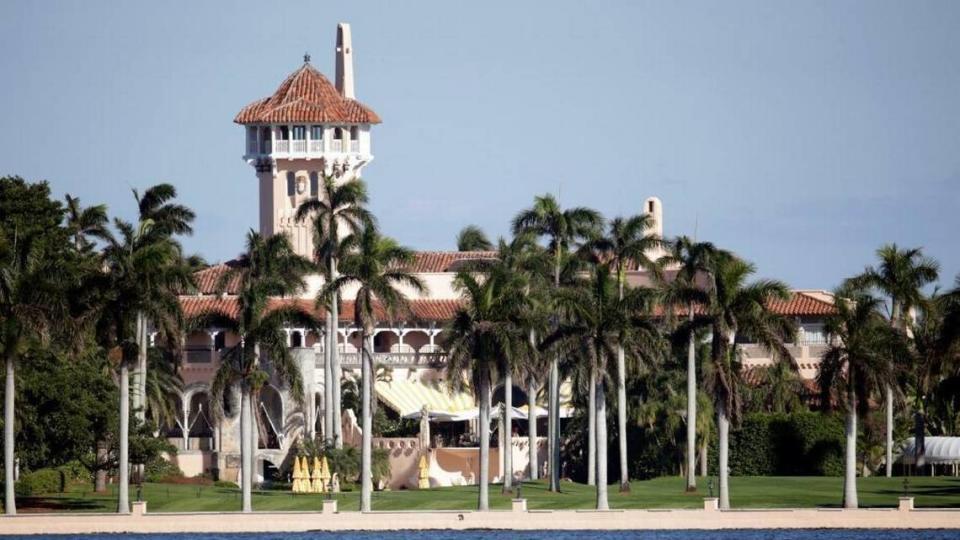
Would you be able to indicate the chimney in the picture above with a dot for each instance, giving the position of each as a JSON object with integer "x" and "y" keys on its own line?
{"x": 344, "y": 62}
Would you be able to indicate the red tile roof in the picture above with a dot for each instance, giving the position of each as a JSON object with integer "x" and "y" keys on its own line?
{"x": 306, "y": 96}
{"x": 422, "y": 310}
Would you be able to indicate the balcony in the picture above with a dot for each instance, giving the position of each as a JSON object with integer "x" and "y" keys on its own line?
{"x": 300, "y": 148}
{"x": 352, "y": 359}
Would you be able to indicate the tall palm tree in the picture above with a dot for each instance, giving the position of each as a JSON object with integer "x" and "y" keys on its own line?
{"x": 165, "y": 219}
{"x": 84, "y": 223}
{"x": 376, "y": 266}
{"x": 269, "y": 268}
{"x": 143, "y": 271}
{"x": 336, "y": 213}
{"x": 30, "y": 303}
{"x": 737, "y": 308}
{"x": 562, "y": 229}
{"x": 687, "y": 289}
{"x": 900, "y": 276}
{"x": 472, "y": 238}
{"x": 626, "y": 247}
{"x": 479, "y": 336}
{"x": 597, "y": 320}
{"x": 856, "y": 367}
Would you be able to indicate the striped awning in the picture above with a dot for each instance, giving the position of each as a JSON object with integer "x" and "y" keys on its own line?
{"x": 408, "y": 397}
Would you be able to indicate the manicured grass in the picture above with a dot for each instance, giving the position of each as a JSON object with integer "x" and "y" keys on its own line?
{"x": 746, "y": 492}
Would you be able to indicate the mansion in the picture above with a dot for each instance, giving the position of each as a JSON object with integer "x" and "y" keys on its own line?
{"x": 307, "y": 129}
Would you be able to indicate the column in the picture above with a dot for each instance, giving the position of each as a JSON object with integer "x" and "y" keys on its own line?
{"x": 186, "y": 421}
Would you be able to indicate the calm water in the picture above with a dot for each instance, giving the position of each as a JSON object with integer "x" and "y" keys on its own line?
{"x": 548, "y": 535}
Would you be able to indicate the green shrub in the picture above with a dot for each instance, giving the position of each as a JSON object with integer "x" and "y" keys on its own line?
{"x": 75, "y": 472}
{"x": 225, "y": 484}
{"x": 161, "y": 470}
{"x": 39, "y": 482}
{"x": 797, "y": 444}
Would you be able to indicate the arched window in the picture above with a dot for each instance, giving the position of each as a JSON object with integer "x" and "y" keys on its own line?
{"x": 219, "y": 341}
{"x": 296, "y": 339}
{"x": 314, "y": 184}
{"x": 291, "y": 184}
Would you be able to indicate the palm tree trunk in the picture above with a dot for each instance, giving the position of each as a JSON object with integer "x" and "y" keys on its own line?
{"x": 895, "y": 317}
{"x": 691, "y": 407}
{"x": 123, "y": 473}
{"x": 507, "y": 449}
{"x": 622, "y": 419}
{"x": 592, "y": 431}
{"x": 366, "y": 451}
{"x": 723, "y": 429}
{"x": 142, "y": 350}
{"x": 484, "y": 501}
{"x": 246, "y": 450}
{"x": 703, "y": 459}
{"x": 850, "y": 464}
{"x": 600, "y": 405}
{"x": 889, "y": 431}
{"x": 532, "y": 429}
{"x": 9, "y": 497}
{"x": 100, "y": 476}
{"x": 555, "y": 415}
{"x": 328, "y": 381}
{"x": 335, "y": 368}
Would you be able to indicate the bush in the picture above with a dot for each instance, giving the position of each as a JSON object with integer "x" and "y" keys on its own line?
{"x": 225, "y": 484}
{"x": 798, "y": 444}
{"x": 75, "y": 472}
{"x": 39, "y": 482}
{"x": 161, "y": 470}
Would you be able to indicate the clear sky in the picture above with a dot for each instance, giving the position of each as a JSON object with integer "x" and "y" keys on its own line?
{"x": 800, "y": 134}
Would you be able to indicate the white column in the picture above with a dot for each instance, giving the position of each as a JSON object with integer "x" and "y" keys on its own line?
{"x": 186, "y": 421}
{"x": 289, "y": 332}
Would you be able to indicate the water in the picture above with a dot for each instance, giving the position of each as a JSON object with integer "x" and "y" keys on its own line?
{"x": 766, "y": 534}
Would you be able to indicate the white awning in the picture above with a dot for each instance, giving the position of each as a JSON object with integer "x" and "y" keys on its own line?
{"x": 408, "y": 398}
{"x": 937, "y": 450}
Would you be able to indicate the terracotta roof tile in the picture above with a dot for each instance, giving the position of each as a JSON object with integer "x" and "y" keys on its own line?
{"x": 422, "y": 310}
{"x": 445, "y": 261}
{"x": 306, "y": 96}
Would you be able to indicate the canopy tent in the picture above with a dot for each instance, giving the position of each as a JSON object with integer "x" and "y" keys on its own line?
{"x": 937, "y": 451}
{"x": 463, "y": 416}
{"x": 408, "y": 398}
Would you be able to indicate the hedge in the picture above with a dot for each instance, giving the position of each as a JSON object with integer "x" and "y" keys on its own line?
{"x": 798, "y": 444}
{"x": 39, "y": 482}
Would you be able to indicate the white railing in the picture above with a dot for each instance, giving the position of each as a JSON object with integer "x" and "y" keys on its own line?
{"x": 283, "y": 147}
{"x": 336, "y": 145}
{"x": 299, "y": 146}
{"x": 352, "y": 359}
{"x": 354, "y": 146}
{"x": 316, "y": 146}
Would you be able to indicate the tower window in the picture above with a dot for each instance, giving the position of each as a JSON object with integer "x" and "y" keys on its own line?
{"x": 299, "y": 133}
{"x": 354, "y": 133}
{"x": 314, "y": 184}
{"x": 338, "y": 134}
{"x": 284, "y": 133}
{"x": 650, "y": 207}
{"x": 219, "y": 341}
{"x": 291, "y": 184}
{"x": 316, "y": 133}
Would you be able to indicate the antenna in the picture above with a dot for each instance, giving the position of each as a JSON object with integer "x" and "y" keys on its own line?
{"x": 696, "y": 226}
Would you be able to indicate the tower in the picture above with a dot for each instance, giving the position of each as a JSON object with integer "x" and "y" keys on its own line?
{"x": 306, "y": 130}
{"x": 654, "y": 208}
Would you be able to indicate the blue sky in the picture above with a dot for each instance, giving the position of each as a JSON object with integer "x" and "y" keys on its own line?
{"x": 800, "y": 134}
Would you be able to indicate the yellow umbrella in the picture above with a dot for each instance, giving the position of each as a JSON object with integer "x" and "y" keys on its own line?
{"x": 297, "y": 474}
{"x": 325, "y": 473}
{"x": 305, "y": 478}
{"x": 317, "y": 481}
{"x": 423, "y": 473}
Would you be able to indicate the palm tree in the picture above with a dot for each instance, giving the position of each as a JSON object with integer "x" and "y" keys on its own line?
{"x": 479, "y": 336}
{"x": 737, "y": 308}
{"x": 626, "y": 247}
{"x": 854, "y": 367}
{"x": 84, "y": 223}
{"x": 164, "y": 219}
{"x": 30, "y": 303}
{"x": 901, "y": 276}
{"x": 688, "y": 287}
{"x": 597, "y": 320}
{"x": 562, "y": 228}
{"x": 143, "y": 271}
{"x": 375, "y": 265}
{"x": 269, "y": 268}
{"x": 338, "y": 212}
{"x": 472, "y": 238}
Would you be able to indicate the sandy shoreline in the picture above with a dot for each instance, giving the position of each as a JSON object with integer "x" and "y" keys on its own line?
{"x": 213, "y": 522}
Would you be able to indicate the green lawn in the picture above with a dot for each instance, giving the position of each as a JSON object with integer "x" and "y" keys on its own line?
{"x": 746, "y": 492}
